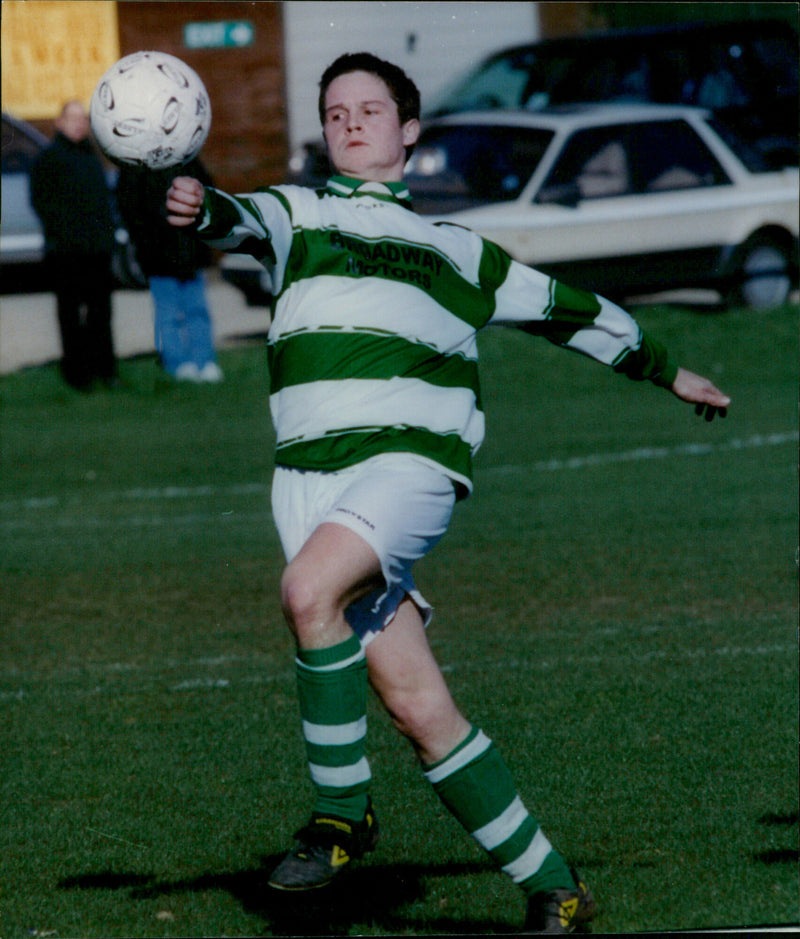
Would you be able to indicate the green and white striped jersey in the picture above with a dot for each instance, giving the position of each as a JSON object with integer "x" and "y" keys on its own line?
{"x": 372, "y": 345}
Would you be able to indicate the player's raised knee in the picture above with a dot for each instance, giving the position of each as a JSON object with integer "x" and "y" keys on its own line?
{"x": 300, "y": 597}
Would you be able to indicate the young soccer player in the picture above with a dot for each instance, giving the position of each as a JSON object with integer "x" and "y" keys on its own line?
{"x": 374, "y": 396}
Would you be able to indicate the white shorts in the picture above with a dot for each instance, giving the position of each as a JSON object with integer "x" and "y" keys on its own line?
{"x": 397, "y": 502}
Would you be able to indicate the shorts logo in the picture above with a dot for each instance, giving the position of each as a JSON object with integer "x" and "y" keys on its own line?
{"x": 360, "y": 518}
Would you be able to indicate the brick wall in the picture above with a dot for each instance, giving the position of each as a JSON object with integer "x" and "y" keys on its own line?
{"x": 568, "y": 19}
{"x": 247, "y": 146}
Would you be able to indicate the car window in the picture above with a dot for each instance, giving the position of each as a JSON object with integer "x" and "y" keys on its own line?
{"x": 615, "y": 75}
{"x": 18, "y": 150}
{"x": 775, "y": 62}
{"x": 733, "y": 74}
{"x": 628, "y": 159}
{"x": 456, "y": 166}
{"x": 593, "y": 163}
{"x": 669, "y": 155}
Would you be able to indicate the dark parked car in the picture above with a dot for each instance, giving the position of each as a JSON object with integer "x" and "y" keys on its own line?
{"x": 745, "y": 72}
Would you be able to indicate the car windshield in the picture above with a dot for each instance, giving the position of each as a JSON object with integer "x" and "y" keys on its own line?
{"x": 735, "y": 68}
{"x": 519, "y": 78}
{"x": 455, "y": 167}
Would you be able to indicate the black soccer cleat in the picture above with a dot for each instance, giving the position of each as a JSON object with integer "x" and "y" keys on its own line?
{"x": 561, "y": 911}
{"x": 325, "y": 847}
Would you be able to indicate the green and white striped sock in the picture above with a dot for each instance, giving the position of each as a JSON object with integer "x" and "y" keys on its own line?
{"x": 476, "y": 786}
{"x": 332, "y": 690}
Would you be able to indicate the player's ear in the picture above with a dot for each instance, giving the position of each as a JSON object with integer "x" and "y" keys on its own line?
{"x": 411, "y": 132}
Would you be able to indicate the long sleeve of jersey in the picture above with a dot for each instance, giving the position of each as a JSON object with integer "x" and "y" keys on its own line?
{"x": 372, "y": 345}
{"x": 578, "y": 320}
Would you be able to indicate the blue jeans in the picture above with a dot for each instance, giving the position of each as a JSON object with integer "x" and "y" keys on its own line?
{"x": 182, "y": 322}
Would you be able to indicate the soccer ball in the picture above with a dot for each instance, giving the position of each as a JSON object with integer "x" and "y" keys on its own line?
{"x": 150, "y": 109}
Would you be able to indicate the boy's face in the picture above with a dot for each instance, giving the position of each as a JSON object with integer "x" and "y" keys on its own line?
{"x": 362, "y": 129}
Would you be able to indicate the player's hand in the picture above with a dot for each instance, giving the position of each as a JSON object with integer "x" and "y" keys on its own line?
{"x": 699, "y": 391}
{"x": 184, "y": 200}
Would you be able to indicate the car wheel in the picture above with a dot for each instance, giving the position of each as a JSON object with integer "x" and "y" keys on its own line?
{"x": 763, "y": 272}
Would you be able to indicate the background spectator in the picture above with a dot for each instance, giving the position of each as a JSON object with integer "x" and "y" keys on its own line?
{"x": 70, "y": 195}
{"x": 174, "y": 263}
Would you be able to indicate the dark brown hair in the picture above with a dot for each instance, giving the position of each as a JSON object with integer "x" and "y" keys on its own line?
{"x": 402, "y": 89}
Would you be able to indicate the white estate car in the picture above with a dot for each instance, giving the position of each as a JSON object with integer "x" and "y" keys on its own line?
{"x": 618, "y": 199}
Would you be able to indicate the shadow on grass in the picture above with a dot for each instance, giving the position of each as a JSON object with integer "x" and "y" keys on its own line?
{"x": 372, "y": 896}
{"x": 780, "y": 818}
{"x": 779, "y": 855}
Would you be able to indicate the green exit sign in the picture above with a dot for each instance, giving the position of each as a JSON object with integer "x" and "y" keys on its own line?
{"x": 219, "y": 35}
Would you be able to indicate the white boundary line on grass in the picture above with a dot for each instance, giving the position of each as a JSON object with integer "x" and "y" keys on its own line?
{"x": 188, "y": 681}
{"x": 167, "y": 493}
{"x": 651, "y": 453}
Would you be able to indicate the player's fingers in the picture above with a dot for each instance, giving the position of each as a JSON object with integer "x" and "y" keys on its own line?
{"x": 187, "y": 183}
{"x": 186, "y": 190}
{"x": 717, "y": 398}
{"x": 179, "y": 213}
{"x": 698, "y": 390}
{"x": 180, "y": 207}
{"x": 179, "y": 197}
{"x": 180, "y": 221}
{"x": 710, "y": 394}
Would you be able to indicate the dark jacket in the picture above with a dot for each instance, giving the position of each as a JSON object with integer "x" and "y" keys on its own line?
{"x": 161, "y": 249}
{"x": 70, "y": 195}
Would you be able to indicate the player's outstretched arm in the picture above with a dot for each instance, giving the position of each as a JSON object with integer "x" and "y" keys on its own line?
{"x": 184, "y": 200}
{"x": 700, "y": 392}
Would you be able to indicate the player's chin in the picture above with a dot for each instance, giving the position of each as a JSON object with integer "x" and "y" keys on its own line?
{"x": 349, "y": 168}
{"x": 353, "y": 161}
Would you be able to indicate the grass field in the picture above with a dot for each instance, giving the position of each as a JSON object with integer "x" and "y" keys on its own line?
{"x": 616, "y": 607}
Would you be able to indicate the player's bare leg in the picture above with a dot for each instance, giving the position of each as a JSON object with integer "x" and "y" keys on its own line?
{"x": 469, "y": 774}
{"x": 409, "y": 682}
{"x": 334, "y": 568}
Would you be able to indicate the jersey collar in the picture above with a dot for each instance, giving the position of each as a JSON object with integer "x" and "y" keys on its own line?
{"x": 388, "y": 192}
